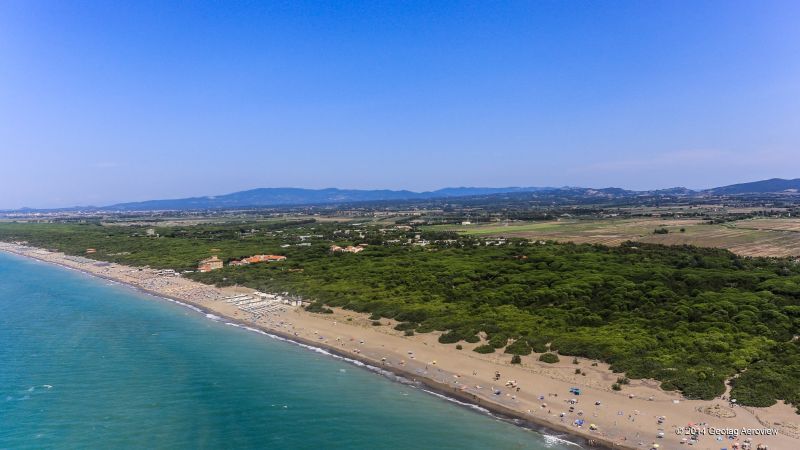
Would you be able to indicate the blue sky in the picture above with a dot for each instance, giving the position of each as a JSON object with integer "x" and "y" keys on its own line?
{"x": 103, "y": 102}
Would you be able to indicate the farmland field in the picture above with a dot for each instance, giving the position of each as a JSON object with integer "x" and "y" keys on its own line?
{"x": 754, "y": 237}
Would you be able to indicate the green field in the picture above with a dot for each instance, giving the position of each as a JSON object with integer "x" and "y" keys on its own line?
{"x": 762, "y": 237}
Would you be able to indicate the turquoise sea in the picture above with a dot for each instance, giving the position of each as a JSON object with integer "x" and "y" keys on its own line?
{"x": 85, "y": 363}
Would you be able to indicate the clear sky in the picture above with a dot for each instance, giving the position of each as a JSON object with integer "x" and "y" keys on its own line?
{"x": 102, "y": 102}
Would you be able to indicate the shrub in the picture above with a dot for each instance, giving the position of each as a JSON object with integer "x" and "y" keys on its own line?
{"x": 425, "y": 328}
{"x": 660, "y": 231}
{"x": 498, "y": 341}
{"x": 408, "y": 333}
{"x": 516, "y": 359}
{"x": 472, "y": 339}
{"x": 412, "y": 316}
{"x": 519, "y": 347}
{"x": 459, "y": 347}
{"x": 485, "y": 348}
{"x": 616, "y": 387}
{"x": 451, "y": 337}
{"x": 375, "y": 316}
{"x": 405, "y": 326}
{"x": 376, "y": 323}
{"x": 623, "y": 380}
{"x": 538, "y": 347}
{"x": 574, "y": 360}
{"x": 577, "y": 371}
{"x": 317, "y": 307}
{"x": 550, "y": 358}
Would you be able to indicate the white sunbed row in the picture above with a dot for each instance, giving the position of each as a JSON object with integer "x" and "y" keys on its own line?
{"x": 263, "y": 308}
{"x": 267, "y": 309}
{"x": 237, "y": 298}
{"x": 252, "y": 305}
{"x": 249, "y": 301}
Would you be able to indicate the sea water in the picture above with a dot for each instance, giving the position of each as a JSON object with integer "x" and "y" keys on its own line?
{"x": 86, "y": 363}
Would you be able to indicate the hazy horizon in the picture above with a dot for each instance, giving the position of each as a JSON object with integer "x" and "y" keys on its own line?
{"x": 218, "y": 194}
{"x": 109, "y": 102}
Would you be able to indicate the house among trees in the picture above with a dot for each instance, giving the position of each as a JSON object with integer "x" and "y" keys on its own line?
{"x": 209, "y": 264}
{"x": 348, "y": 249}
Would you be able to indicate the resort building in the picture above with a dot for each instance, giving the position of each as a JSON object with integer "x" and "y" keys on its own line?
{"x": 255, "y": 259}
{"x": 209, "y": 264}
{"x": 348, "y": 249}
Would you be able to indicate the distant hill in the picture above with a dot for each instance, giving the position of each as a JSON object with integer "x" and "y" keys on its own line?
{"x": 276, "y": 197}
{"x": 774, "y": 185}
{"x": 265, "y": 197}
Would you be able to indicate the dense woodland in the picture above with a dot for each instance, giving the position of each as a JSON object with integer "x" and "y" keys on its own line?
{"x": 692, "y": 318}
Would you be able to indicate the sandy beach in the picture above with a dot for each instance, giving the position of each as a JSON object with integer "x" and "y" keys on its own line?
{"x": 638, "y": 416}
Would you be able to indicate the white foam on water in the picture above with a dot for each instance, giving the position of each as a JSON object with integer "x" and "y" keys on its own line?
{"x": 480, "y": 409}
{"x": 549, "y": 438}
{"x": 552, "y": 440}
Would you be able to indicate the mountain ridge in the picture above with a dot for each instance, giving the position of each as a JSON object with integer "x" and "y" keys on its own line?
{"x": 264, "y": 197}
{"x": 276, "y": 197}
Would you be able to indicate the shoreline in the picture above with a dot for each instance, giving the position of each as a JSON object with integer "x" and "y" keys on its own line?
{"x": 549, "y": 426}
{"x": 425, "y": 384}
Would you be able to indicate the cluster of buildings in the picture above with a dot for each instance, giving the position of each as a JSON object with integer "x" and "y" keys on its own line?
{"x": 255, "y": 259}
{"x": 348, "y": 249}
{"x": 214, "y": 263}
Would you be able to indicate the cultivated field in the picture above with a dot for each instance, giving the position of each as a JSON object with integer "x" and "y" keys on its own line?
{"x": 755, "y": 237}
